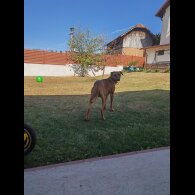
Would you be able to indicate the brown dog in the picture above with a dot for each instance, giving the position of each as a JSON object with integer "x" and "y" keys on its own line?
{"x": 103, "y": 88}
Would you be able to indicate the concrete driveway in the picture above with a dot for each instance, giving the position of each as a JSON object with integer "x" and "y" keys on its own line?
{"x": 138, "y": 173}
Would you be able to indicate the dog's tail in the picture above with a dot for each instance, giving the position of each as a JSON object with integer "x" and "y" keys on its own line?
{"x": 94, "y": 92}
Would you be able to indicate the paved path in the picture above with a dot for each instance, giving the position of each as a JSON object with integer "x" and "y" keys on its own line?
{"x": 144, "y": 173}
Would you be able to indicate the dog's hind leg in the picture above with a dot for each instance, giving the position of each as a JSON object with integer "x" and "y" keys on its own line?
{"x": 91, "y": 101}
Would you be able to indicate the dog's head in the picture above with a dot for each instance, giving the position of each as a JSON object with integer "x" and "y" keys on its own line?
{"x": 116, "y": 76}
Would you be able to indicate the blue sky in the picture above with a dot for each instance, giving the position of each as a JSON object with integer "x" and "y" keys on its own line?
{"x": 47, "y": 22}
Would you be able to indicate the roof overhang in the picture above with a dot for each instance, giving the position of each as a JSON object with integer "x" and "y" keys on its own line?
{"x": 162, "y": 9}
{"x": 155, "y": 46}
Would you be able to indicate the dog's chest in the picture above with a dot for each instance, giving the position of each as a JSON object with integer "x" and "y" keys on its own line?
{"x": 109, "y": 89}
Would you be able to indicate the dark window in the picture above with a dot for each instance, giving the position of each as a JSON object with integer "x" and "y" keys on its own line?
{"x": 160, "y": 52}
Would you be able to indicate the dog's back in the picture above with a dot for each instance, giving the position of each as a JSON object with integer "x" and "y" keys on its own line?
{"x": 102, "y": 88}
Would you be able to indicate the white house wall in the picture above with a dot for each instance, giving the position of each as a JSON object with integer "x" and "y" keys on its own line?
{"x": 137, "y": 39}
{"x": 165, "y": 33}
{"x": 159, "y": 58}
{"x": 150, "y": 57}
{"x": 60, "y": 70}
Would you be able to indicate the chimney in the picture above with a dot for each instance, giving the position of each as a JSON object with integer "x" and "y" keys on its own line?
{"x": 71, "y": 38}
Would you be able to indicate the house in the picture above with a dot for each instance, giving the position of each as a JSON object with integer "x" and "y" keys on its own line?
{"x": 131, "y": 42}
{"x": 159, "y": 55}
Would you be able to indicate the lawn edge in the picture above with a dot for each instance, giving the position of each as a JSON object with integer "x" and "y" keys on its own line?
{"x": 95, "y": 159}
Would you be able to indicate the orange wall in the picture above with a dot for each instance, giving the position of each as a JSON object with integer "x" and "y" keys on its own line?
{"x": 133, "y": 52}
{"x": 56, "y": 58}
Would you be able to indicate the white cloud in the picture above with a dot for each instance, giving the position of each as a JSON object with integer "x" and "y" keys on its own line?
{"x": 119, "y": 30}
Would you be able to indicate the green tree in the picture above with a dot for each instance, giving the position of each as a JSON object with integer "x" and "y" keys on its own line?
{"x": 157, "y": 39}
{"x": 87, "y": 51}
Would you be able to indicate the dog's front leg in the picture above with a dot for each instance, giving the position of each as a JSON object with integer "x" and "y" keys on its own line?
{"x": 105, "y": 103}
{"x": 111, "y": 102}
{"x": 103, "y": 107}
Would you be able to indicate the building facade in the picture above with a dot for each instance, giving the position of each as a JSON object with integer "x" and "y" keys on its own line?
{"x": 159, "y": 55}
{"x": 131, "y": 42}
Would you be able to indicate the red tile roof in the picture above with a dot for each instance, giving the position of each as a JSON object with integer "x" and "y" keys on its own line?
{"x": 140, "y": 26}
{"x": 136, "y": 26}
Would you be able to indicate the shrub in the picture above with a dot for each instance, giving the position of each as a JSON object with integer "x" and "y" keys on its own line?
{"x": 167, "y": 70}
{"x": 133, "y": 63}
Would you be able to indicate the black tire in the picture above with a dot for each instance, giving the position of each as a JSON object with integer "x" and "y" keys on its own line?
{"x": 29, "y": 139}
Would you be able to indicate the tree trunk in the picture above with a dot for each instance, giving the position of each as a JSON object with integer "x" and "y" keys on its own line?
{"x": 82, "y": 71}
{"x": 103, "y": 71}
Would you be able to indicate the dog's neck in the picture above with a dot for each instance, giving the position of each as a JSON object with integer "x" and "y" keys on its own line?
{"x": 113, "y": 81}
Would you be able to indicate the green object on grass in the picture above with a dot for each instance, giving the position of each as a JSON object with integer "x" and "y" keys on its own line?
{"x": 39, "y": 79}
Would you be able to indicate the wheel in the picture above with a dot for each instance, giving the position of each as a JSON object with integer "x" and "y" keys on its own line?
{"x": 29, "y": 139}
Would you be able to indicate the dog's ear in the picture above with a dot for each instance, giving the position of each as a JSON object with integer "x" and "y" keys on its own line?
{"x": 121, "y": 73}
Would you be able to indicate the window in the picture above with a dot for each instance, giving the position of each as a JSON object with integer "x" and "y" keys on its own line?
{"x": 160, "y": 52}
{"x": 167, "y": 52}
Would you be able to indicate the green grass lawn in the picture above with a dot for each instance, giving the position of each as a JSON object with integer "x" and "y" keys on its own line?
{"x": 56, "y": 109}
